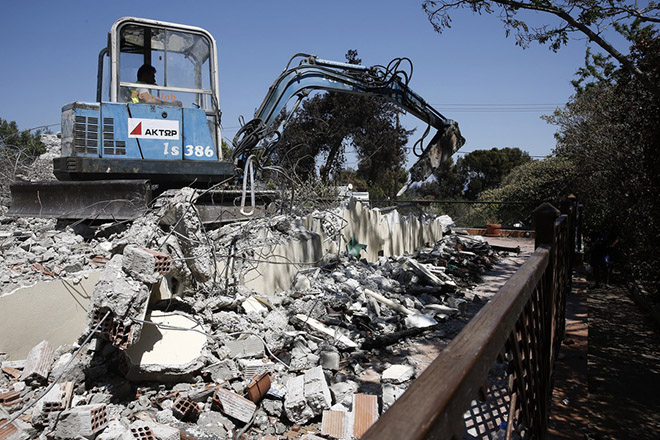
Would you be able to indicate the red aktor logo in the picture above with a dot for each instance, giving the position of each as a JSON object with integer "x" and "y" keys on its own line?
{"x": 137, "y": 131}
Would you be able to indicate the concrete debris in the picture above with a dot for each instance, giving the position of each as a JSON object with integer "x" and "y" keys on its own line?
{"x": 38, "y": 362}
{"x": 398, "y": 373}
{"x": 266, "y": 327}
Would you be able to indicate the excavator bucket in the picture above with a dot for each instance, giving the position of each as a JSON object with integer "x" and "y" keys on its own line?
{"x": 443, "y": 145}
{"x": 94, "y": 200}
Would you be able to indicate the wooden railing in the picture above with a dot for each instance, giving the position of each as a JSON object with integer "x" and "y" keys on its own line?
{"x": 521, "y": 327}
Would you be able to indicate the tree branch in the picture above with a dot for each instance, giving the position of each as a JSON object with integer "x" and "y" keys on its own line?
{"x": 593, "y": 36}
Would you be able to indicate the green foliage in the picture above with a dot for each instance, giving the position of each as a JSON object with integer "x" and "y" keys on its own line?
{"x": 549, "y": 180}
{"x": 582, "y": 17}
{"x": 481, "y": 170}
{"x": 610, "y": 132}
{"x": 25, "y": 142}
{"x": 18, "y": 149}
{"x": 226, "y": 150}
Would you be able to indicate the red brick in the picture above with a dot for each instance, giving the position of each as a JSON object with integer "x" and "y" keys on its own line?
{"x": 365, "y": 411}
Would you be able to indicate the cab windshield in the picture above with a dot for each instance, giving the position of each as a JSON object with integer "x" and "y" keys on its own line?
{"x": 181, "y": 59}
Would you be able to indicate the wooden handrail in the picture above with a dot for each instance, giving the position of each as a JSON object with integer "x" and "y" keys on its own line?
{"x": 524, "y": 321}
{"x": 452, "y": 380}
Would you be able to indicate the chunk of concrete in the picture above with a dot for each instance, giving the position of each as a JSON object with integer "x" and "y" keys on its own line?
{"x": 317, "y": 392}
{"x": 330, "y": 360}
{"x": 390, "y": 393}
{"x": 295, "y": 403}
{"x": 164, "y": 353}
{"x": 86, "y": 421}
{"x": 57, "y": 312}
{"x": 398, "y": 373}
{"x": 145, "y": 265}
{"x": 307, "y": 396}
{"x": 114, "y": 431}
{"x": 420, "y": 321}
{"x": 248, "y": 347}
{"x": 125, "y": 298}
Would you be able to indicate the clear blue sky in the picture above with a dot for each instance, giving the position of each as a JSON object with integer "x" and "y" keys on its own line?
{"x": 471, "y": 73}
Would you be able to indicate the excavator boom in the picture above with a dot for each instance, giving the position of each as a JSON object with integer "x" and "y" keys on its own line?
{"x": 387, "y": 82}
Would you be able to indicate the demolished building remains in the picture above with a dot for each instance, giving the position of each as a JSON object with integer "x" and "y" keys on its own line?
{"x": 268, "y": 328}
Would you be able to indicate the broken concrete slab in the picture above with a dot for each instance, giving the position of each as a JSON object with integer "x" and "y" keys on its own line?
{"x": 125, "y": 298}
{"x": 398, "y": 373}
{"x": 86, "y": 421}
{"x": 58, "y": 312}
{"x": 152, "y": 356}
{"x": 249, "y": 346}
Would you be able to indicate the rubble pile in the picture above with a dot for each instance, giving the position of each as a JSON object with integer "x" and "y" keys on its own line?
{"x": 177, "y": 347}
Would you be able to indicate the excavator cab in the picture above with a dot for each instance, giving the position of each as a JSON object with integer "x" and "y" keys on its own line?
{"x": 124, "y": 138}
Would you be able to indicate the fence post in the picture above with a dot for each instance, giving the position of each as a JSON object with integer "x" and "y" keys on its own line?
{"x": 545, "y": 217}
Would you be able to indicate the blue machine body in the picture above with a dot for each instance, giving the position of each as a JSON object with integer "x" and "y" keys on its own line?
{"x": 136, "y": 131}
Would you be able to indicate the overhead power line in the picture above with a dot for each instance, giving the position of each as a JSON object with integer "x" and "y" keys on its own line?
{"x": 499, "y": 107}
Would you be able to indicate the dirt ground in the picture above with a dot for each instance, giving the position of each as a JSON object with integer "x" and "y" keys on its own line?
{"x": 607, "y": 379}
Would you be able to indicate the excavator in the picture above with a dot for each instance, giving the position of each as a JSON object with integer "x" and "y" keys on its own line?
{"x": 119, "y": 154}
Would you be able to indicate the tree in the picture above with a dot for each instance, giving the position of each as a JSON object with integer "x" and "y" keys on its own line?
{"x": 589, "y": 18}
{"x": 534, "y": 182}
{"x": 480, "y": 170}
{"x": 18, "y": 149}
{"x": 327, "y": 123}
{"x": 610, "y": 130}
{"x": 28, "y": 143}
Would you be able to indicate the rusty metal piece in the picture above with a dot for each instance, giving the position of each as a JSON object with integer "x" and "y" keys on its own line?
{"x": 258, "y": 387}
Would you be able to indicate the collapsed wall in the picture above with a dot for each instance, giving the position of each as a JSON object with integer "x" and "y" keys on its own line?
{"x": 327, "y": 233}
{"x": 182, "y": 311}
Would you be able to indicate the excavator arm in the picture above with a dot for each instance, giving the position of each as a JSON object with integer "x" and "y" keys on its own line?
{"x": 387, "y": 82}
